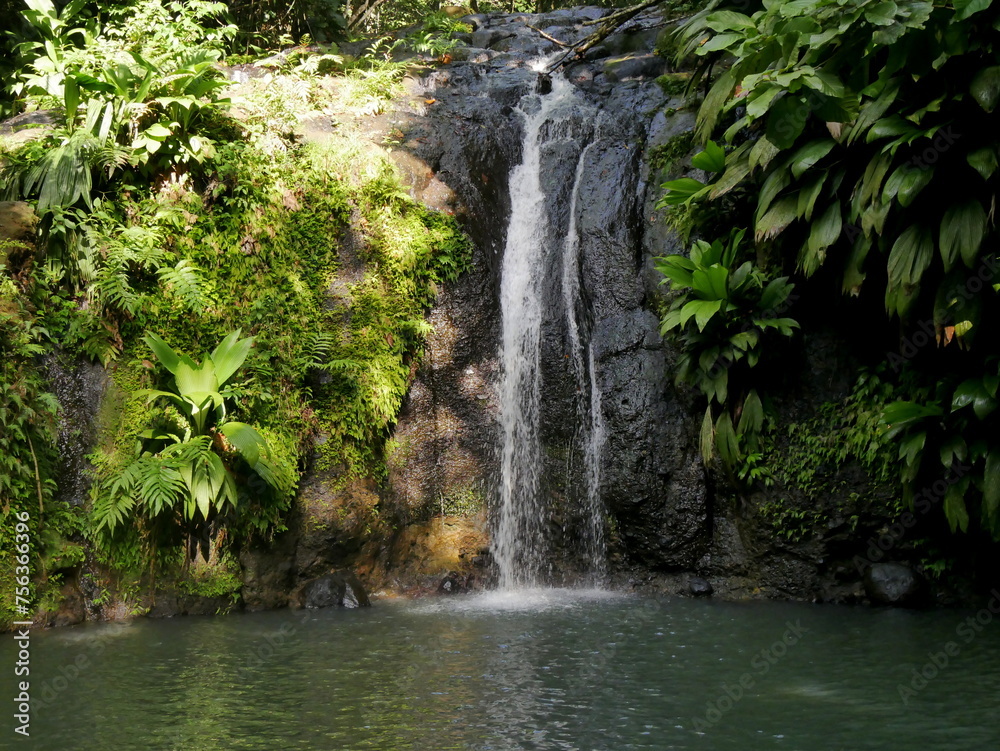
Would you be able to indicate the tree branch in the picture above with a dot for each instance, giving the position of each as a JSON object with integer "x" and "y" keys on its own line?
{"x": 608, "y": 25}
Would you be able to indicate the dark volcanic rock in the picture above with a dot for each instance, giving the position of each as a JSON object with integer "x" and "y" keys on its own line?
{"x": 894, "y": 584}
{"x": 700, "y": 587}
{"x": 336, "y": 589}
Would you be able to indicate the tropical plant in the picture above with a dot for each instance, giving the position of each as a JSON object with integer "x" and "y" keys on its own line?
{"x": 948, "y": 436}
{"x": 194, "y": 457}
{"x": 861, "y": 136}
{"x": 839, "y": 114}
{"x": 27, "y": 410}
{"x": 722, "y": 314}
{"x": 143, "y": 109}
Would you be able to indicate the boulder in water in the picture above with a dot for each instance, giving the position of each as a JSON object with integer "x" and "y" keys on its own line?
{"x": 454, "y": 583}
{"x": 336, "y": 589}
{"x": 893, "y": 584}
{"x": 700, "y": 587}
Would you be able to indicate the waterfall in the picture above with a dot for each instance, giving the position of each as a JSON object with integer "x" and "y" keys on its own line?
{"x": 585, "y": 373}
{"x": 520, "y": 539}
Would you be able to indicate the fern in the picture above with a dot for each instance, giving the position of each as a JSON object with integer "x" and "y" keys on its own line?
{"x": 184, "y": 281}
{"x": 161, "y": 485}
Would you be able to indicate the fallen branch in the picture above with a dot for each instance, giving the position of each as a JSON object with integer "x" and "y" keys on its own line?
{"x": 609, "y": 24}
{"x": 546, "y": 36}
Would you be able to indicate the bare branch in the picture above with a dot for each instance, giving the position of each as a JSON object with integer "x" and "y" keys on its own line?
{"x": 546, "y": 36}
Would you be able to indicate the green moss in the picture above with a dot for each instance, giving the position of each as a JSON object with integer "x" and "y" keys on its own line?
{"x": 673, "y": 84}
{"x": 466, "y": 500}
{"x": 220, "y": 580}
{"x": 666, "y": 155}
{"x": 808, "y": 458}
{"x": 253, "y": 238}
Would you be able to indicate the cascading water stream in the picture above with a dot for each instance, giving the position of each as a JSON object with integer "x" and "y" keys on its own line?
{"x": 519, "y": 540}
{"x": 585, "y": 373}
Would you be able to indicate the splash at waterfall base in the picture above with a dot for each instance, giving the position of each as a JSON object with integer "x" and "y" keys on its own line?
{"x": 617, "y": 487}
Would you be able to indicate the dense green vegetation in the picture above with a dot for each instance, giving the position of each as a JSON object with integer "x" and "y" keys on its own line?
{"x": 196, "y": 247}
{"x": 860, "y": 150}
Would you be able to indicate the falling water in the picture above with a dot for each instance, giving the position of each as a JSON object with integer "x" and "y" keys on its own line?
{"x": 519, "y": 543}
{"x": 590, "y": 408}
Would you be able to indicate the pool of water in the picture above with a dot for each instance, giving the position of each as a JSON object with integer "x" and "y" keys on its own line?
{"x": 539, "y": 670}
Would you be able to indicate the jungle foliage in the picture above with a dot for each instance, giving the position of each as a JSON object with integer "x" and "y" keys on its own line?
{"x": 861, "y": 142}
{"x": 204, "y": 259}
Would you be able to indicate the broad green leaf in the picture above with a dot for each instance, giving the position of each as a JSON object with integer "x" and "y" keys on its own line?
{"x": 677, "y": 269}
{"x": 711, "y": 283}
{"x": 911, "y": 447}
{"x": 872, "y": 111}
{"x": 198, "y": 381}
{"x": 779, "y": 216}
{"x": 985, "y": 87}
{"x": 740, "y": 276}
{"x": 871, "y": 183}
{"x": 854, "y": 276}
{"x": 786, "y": 120}
{"x": 726, "y": 440}
{"x": 962, "y": 230}
{"x": 707, "y": 436}
{"x": 953, "y": 449}
{"x": 784, "y": 325}
{"x": 811, "y": 153}
{"x": 712, "y": 159}
{"x": 680, "y": 190}
{"x": 762, "y": 152}
{"x": 973, "y": 391}
{"x": 752, "y": 418}
{"x": 984, "y": 161}
{"x": 759, "y": 102}
{"x": 881, "y": 14}
{"x": 910, "y": 256}
{"x": 905, "y": 183}
{"x": 825, "y": 232}
{"x": 230, "y": 355}
{"x": 719, "y": 42}
{"x": 776, "y": 182}
{"x": 899, "y": 416}
{"x": 163, "y": 352}
{"x": 744, "y": 340}
{"x": 711, "y": 107}
{"x": 727, "y": 20}
{"x": 954, "y": 505}
{"x": 808, "y": 195}
{"x": 245, "y": 439}
{"x": 890, "y": 127}
{"x": 702, "y": 310}
{"x": 737, "y": 168}
{"x": 775, "y": 294}
{"x": 157, "y": 131}
{"x": 966, "y": 8}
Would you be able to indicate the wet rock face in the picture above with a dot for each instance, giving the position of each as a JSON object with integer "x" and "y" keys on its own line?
{"x": 470, "y": 138}
{"x": 80, "y": 387}
{"x": 17, "y": 233}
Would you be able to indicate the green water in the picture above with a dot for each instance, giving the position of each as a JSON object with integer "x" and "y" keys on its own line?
{"x": 545, "y": 671}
